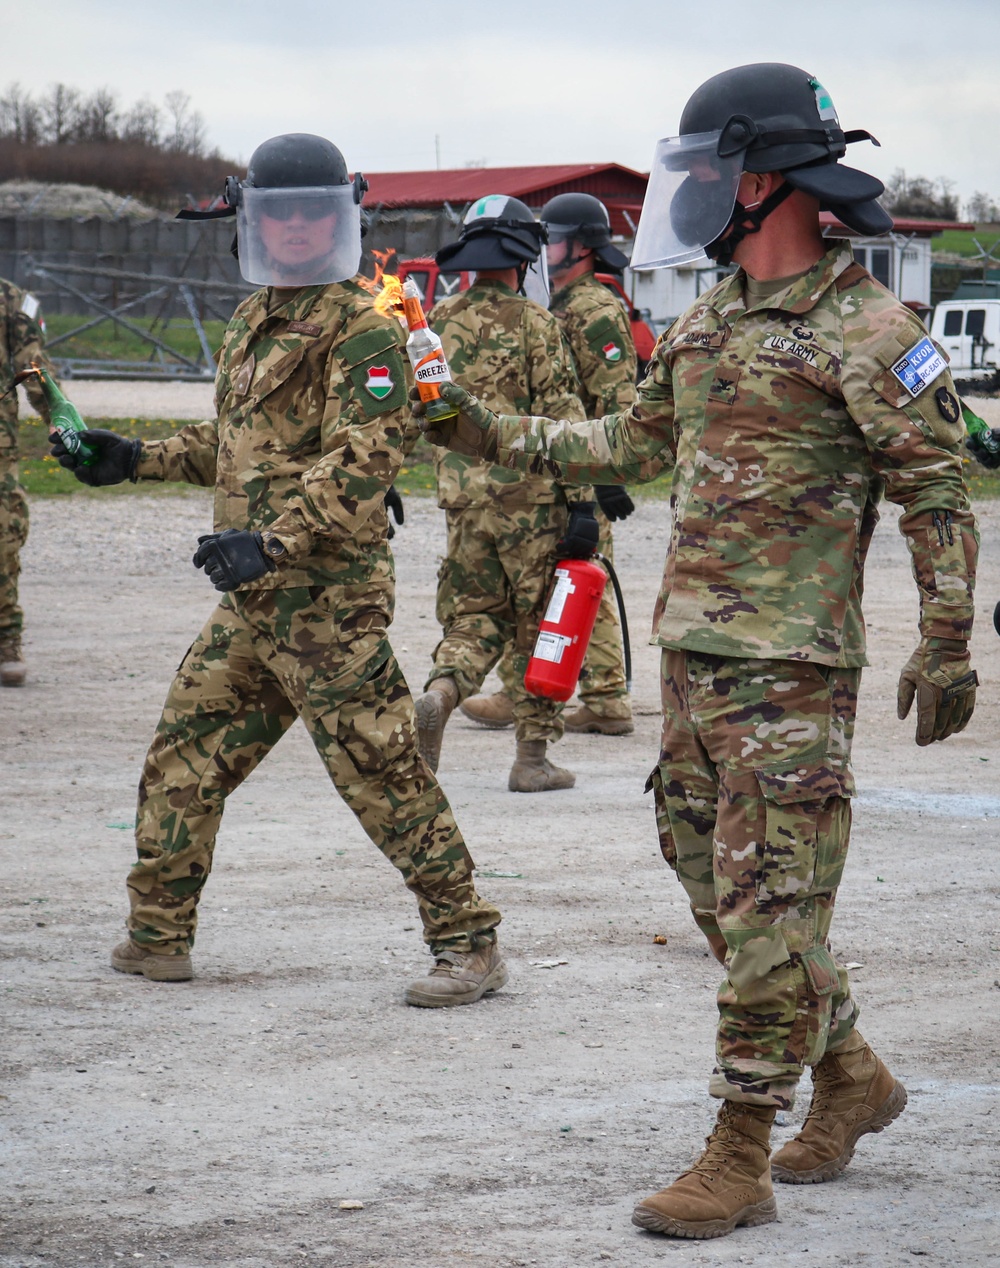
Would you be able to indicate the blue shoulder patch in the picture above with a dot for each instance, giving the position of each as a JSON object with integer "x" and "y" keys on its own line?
{"x": 920, "y": 366}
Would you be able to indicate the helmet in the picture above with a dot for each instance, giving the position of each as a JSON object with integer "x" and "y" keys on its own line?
{"x": 497, "y": 233}
{"x": 298, "y": 213}
{"x": 584, "y": 219}
{"x": 766, "y": 117}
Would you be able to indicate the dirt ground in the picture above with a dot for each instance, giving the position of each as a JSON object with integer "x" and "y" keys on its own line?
{"x": 225, "y": 1121}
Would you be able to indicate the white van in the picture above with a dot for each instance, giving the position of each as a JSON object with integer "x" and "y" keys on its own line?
{"x": 969, "y": 331}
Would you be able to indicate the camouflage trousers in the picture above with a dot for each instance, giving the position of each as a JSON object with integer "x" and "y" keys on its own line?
{"x": 263, "y": 659}
{"x": 753, "y": 810}
{"x": 602, "y": 686}
{"x": 13, "y": 535}
{"x": 492, "y": 589}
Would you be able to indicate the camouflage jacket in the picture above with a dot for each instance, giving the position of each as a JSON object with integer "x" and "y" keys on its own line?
{"x": 312, "y": 420}
{"x": 21, "y": 339}
{"x": 597, "y": 332}
{"x": 784, "y": 423}
{"x": 507, "y": 351}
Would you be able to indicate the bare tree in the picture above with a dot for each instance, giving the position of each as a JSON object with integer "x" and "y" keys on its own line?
{"x": 141, "y": 124}
{"x": 982, "y": 209}
{"x": 187, "y": 128}
{"x": 919, "y": 197}
{"x": 97, "y": 117}
{"x": 59, "y": 109}
{"x": 20, "y": 118}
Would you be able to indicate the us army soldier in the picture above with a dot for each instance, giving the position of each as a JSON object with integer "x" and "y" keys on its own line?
{"x": 503, "y": 526}
{"x": 596, "y": 330}
{"x": 21, "y": 344}
{"x": 785, "y": 401}
{"x": 310, "y": 398}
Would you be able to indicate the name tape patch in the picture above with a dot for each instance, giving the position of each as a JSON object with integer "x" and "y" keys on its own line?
{"x": 919, "y": 367}
{"x": 791, "y": 347}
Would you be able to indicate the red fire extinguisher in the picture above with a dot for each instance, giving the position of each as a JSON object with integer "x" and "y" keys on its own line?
{"x": 565, "y": 629}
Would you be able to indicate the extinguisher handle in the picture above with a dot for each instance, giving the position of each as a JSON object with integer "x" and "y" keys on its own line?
{"x": 623, "y": 619}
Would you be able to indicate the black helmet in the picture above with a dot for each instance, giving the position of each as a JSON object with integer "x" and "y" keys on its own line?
{"x": 767, "y": 117}
{"x": 584, "y": 219}
{"x": 498, "y": 232}
{"x": 782, "y": 119}
{"x": 295, "y": 160}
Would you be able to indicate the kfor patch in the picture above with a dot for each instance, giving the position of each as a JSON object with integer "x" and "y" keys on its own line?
{"x": 919, "y": 367}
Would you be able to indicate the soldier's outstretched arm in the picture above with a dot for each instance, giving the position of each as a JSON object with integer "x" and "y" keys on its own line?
{"x": 635, "y": 445}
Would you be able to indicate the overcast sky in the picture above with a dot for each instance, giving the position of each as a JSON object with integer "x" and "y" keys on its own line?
{"x": 525, "y": 81}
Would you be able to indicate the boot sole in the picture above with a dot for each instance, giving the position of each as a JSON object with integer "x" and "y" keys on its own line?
{"x": 154, "y": 972}
{"x": 749, "y": 1217}
{"x": 491, "y": 724}
{"x": 431, "y": 719}
{"x": 416, "y": 996}
{"x": 888, "y": 1111}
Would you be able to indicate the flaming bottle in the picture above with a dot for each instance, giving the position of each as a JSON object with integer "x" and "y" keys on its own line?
{"x": 64, "y": 418}
{"x": 423, "y": 347}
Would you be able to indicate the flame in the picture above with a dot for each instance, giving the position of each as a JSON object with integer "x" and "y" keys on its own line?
{"x": 385, "y": 286}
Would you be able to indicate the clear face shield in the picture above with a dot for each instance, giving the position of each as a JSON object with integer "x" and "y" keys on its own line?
{"x": 689, "y": 200}
{"x": 536, "y": 281}
{"x": 298, "y": 237}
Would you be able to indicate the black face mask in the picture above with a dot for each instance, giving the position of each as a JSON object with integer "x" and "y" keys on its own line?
{"x": 744, "y": 222}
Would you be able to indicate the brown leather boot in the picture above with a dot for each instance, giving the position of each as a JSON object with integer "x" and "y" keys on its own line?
{"x": 729, "y": 1185}
{"x": 129, "y": 957}
{"x": 494, "y": 711}
{"x": 433, "y": 709}
{"x": 584, "y": 721}
{"x": 13, "y": 670}
{"x": 853, "y": 1093}
{"x": 460, "y": 977}
{"x": 532, "y": 772}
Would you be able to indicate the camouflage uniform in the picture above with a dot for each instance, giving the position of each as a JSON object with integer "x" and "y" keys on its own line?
{"x": 20, "y": 343}
{"x": 311, "y": 404}
{"x": 502, "y": 525}
{"x": 784, "y": 424}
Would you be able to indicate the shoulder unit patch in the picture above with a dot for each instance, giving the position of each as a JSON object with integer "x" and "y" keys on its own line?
{"x": 919, "y": 366}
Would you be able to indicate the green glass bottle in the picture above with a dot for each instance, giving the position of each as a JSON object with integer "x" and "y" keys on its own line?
{"x": 64, "y": 418}
{"x": 983, "y": 441}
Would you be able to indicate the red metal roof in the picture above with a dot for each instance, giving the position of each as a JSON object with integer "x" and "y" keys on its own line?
{"x": 620, "y": 188}
{"x": 900, "y": 224}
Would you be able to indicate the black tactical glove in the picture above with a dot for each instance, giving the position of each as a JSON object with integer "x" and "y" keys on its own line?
{"x": 939, "y": 676}
{"x": 116, "y": 457}
{"x": 582, "y": 533}
{"x": 614, "y": 501}
{"x": 232, "y": 557}
{"x": 394, "y": 503}
{"x": 989, "y": 457}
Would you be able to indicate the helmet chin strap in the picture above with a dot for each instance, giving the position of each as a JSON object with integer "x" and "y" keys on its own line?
{"x": 743, "y": 222}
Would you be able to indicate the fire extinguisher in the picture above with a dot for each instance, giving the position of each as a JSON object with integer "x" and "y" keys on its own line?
{"x": 565, "y": 629}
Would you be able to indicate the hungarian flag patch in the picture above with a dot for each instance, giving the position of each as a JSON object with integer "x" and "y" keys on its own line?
{"x": 612, "y": 352}
{"x": 379, "y": 382}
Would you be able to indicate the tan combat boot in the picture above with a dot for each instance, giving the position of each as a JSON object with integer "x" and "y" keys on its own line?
{"x": 129, "y": 957}
{"x": 584, "y": 721}
{"x": 13, "y": 670}
{"x": 460, "y": 977}
{"x": 494, "y": 711}
{"x": 531, "y": 771}
{"x": 853, "y": 1093}
{"x": 729, "y": 1185}
{"x": 433, "y": 709}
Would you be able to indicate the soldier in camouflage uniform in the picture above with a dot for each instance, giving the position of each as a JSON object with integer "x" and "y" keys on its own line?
{"x": 503, "y": 526}
{"x": 786, "y": 401}
{"x": 311, "y": 428}
{"x": 21, "y": 337}
{"x": 596, "y": 330}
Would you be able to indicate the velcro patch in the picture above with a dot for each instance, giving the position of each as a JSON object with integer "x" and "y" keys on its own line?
{"x": 791, "y": 348}
{"x": 919, "y": 366}
{"x": 304, "y": 328}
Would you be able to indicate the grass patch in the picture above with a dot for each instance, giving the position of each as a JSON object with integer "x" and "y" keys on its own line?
{"x": 110, "y": 342}
{"x": 959, "y": 241}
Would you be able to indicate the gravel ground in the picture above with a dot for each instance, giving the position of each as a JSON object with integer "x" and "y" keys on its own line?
{"x": 226, "y": 1120}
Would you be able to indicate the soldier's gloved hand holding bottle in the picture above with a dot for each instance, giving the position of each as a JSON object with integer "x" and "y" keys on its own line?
{"x": 468, "y": 434}
{"x": 938, "y": 675}
{"x": 614, "y": 501}
{"x": 232, "y": 557}
{"x": 582, "y": 533}
{"x": 116, "y": 460}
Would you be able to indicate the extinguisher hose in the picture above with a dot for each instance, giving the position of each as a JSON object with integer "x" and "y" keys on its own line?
{"x": 619, "y": 598}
